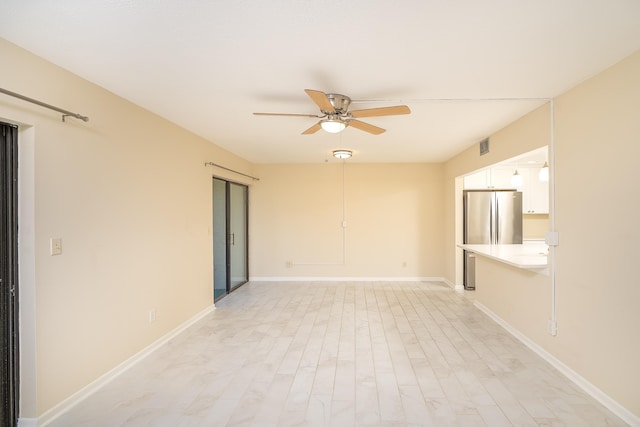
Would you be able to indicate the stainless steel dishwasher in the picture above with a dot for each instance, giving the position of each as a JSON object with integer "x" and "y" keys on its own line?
{"x": 469, "y": 270}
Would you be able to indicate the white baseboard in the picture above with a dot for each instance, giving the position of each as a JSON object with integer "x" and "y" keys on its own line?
{"x": 27, "y": 422}
{"x": 343, "y": 279}
{"x": 453, "y": 285}
{"x": 103, "y": 380}
{"x": 580, "y": 381}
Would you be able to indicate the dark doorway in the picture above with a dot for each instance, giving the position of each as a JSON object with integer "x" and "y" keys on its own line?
{"x": 9, "y": 377}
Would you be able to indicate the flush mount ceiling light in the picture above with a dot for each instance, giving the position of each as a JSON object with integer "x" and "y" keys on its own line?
{"x": 543, "y": 175}
{"x": 333, "y": 124}
{"x": 342, "y": 154}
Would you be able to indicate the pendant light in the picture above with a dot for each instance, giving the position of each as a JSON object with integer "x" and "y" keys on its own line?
{"x": 543, "y": 175}
{"x": 516, "y": 179}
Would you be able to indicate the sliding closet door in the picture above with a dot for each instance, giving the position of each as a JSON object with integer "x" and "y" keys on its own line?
{"x": 238, "y": 234}
{"x": 219, "y": 238}
{"x": 9, "y": 357}
{"x": 230, "y": 237}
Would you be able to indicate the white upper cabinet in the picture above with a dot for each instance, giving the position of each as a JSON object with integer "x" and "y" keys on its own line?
{"x": 477, "y": 181}
{"x": 501, "y": 178}
{"x": 535, "y": 193}
{"x": 498, "y": 178}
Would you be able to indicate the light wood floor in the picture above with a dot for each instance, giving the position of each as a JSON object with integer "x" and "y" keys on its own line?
{"x": 342, "y": 354}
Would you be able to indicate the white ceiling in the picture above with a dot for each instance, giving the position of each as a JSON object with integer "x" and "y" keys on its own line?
{"x": 207, "y": 65}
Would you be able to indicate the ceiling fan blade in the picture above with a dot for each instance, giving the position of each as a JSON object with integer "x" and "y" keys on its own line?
{"x": 383, "y": 111}
{"x": 313, "y": 129}
{"x": 366, "y": 127}
{"x": 286, "y": 114}
{"x": 321, "y": 100}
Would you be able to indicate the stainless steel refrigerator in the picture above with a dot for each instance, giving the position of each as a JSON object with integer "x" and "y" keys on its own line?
{"x": 491, "y": 217}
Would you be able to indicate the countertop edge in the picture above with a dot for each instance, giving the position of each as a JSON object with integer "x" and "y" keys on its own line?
{"x": 511, "y": 254}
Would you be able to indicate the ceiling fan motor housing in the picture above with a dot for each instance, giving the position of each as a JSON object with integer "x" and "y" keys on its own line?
{"x": 340, "y": 103}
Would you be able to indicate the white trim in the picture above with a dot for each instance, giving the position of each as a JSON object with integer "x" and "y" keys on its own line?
{"x": 27, "y": 422}
{"x": 606, "y": 400}
{"x": 452, "y": 285}
{"x": 343, "y": 279}
{"x": 109, "y": 376}
{"x": 27, "y": 271}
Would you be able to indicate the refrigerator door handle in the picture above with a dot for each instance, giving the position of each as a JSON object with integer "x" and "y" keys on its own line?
{"x": 496, "y": 235}
{"x": 493, "y": 219}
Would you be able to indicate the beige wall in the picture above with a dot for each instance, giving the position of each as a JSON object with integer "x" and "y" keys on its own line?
{"x": 596, "y": 184}
{"x": 516, "y": 294}
{"x": 393, "y": 213}
{"x": 534, "y": 226}
{"x": 597, "y": 198}
{"x": 130, "y": 197}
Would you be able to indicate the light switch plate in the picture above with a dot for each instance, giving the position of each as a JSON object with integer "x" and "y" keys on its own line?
{"x": 552, "y": 238}
{"x": 55, "y": 246}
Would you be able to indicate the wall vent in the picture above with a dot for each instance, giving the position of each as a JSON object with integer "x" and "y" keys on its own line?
{"x": 484, "y": 146}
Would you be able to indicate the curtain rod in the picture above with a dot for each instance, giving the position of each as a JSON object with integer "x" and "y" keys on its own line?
{"x": 231, "y": 170}
{"x": 65, "y": 113}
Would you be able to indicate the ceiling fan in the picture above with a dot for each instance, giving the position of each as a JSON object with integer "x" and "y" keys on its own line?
{"x": 336, "y": 116}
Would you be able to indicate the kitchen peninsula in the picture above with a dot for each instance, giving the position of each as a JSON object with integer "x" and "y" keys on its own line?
{"x": 531, "y": 255}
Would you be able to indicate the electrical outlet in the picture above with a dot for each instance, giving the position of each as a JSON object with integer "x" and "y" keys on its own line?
{"x": 289, "y": 264}
{"x": 152, "y": 315}
{"x": 404, "y": 264}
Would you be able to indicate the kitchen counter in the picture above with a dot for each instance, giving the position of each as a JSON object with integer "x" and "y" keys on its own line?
{"x": 530, "y": 255}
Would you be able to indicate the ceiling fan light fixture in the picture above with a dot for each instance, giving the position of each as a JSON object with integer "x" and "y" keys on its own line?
{"x": 333, "y": 125}
{"x": 342, "y": 154}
